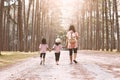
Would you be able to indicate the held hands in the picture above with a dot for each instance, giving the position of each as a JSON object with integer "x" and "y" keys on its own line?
{"x": 50, "y": 49}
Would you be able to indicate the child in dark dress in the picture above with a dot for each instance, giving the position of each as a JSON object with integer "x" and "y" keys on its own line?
{"x": 57, "y": 47}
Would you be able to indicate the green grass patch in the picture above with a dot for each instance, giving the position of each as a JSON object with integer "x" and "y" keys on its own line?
{"x": 8, "y": 58}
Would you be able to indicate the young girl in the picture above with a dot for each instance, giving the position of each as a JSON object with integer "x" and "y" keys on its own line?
{"x": 57, "y": 47}
{"x": 43, "y": 48}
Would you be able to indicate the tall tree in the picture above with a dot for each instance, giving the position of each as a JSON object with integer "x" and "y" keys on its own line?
{"x": 20, "y": 27}
{"x": 91, "y": 27}
{"x": 97, "y": 27}
{"x": 1, "y": 22}
{"x": 103, "y": 12}
{"x": 117, "y": 24}
{"x": 107, "y": 29}
{"x": 110, "y": 17}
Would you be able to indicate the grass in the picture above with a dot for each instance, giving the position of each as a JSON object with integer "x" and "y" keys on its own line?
{"x": 8, "y": 58}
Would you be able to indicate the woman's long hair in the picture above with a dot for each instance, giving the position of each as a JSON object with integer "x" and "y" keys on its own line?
{"x": 72, "y": 28}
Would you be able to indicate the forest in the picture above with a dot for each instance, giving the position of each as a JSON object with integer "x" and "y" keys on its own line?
{"x": 23, "y": 23}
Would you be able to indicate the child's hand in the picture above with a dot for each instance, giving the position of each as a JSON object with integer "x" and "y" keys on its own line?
{"x": 50, "y": 50}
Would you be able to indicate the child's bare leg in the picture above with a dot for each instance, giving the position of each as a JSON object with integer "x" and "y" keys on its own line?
{"x": 40, "y": 60}
{"x": 43, "y": 60}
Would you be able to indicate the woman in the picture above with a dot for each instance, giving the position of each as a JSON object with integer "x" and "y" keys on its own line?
{"x": 72, "y": 38}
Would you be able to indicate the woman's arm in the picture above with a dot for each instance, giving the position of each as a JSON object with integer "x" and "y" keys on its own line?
{"x": 76, "y": 35}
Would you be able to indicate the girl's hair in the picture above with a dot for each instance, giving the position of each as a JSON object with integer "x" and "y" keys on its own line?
{"x": 57, "y": 43}
{"x": 72, "y": 28}
{"x": 44, "y": 41}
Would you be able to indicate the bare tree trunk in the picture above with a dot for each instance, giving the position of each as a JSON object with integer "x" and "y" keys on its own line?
{"x": 20, "y": 27}
{"x": 107, "y": 30}
{"x": 103, "y": 11}
{"x": 117, "y": 24}
{"x": 27, "y": 23}
{"x": 112, "y": 28}
{"x": 82, "y": 28}
{"x": 91, "y": 27}
{"x": 87, "y": 30}
{"x": 7, "y": 28}
{"x": 94, "y": 28}
{"x": 97, "y": 28}
{"x": 1, "y": 22}
{"x": 32, "y": 33}
{"x": 4, "y": 29}
{"x": 38, "y": 25}
{"x": 110, "y": 16}
{"x": 14, "y": 31}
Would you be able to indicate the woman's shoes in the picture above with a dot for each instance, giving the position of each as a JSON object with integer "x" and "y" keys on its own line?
{"x": 75, "y": 61}
{"x": 41, "y": 63}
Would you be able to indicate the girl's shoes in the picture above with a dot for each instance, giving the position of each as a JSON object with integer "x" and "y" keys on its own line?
{"x": 71, "y": 63}
{"x": 75, "y": 61}
{"x": 57, "y": 63}
{"x": 41, "y": 63}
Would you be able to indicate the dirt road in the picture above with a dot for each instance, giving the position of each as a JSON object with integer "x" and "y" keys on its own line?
{"x": 91, "y": 66}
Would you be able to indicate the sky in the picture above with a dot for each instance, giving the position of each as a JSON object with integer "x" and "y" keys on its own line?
{"x": 67, "y": 10}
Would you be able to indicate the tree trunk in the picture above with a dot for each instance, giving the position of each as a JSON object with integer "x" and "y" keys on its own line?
{"x": 27, "y": 23}
{"x": 107, "y": 30}
{"x": 91, "y": 26}
{"x": 1, "y": 22}
{"x": 110, "y": 16}
{"x": 112, "y": 28}
{"x": 117, "y": 24}
{"x": 103, "y": 12}
{"x": 97, "y": 28}
{"x": 33, "y": 31}
{"x": 20, "y": 27}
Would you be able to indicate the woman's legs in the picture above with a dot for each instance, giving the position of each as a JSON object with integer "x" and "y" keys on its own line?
{"x": 70, "y": 54}
{"x": 75, "y": 55}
